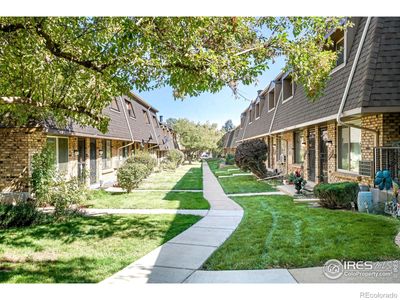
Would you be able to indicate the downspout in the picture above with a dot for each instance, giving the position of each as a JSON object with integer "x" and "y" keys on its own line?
{"x": 129, "y": 127}
{"x": 348, "y": 84}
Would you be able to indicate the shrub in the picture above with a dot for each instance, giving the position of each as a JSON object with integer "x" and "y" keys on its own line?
{"x": 43, "y": 172}
{"x": 251, "y": 156}
{"x": 175, "y": 156}
{"x": 130, "y": 174}
{"x": 144, "y": 158}
{"x": 337, "y": 195}
{"x": 67, "y": 195}
{"x": 23, "y": 213}
{"x": 168, "y": 165}
{"x": 230, "y": 159}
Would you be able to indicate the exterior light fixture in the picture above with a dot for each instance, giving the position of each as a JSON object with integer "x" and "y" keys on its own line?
{"x": 101, "y": 152}
{"x": 76, "y": 152}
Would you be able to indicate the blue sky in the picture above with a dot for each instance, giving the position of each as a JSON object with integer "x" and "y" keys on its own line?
{"x": 215, "y": 108}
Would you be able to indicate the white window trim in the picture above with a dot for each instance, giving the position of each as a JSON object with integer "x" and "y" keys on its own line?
{"x": 283, "y": 82}
{"x": 57, "y": 152}
{"x": 341, "y": 66}
{"x": 269, "y": 110}
{"x": 115, "y": 110}
{"x": 337, "y": 156}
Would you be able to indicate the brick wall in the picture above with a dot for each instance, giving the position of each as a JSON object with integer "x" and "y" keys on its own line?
{"x": 17, "y": 147}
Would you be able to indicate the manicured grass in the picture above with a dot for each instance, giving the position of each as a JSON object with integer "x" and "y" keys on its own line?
{"x": 244, "y": 184}
{"x": 238, "y": 184}
{"x": 172, "y": 200}
{"x": 276, "y": 233}
{"x": 186, "y": 177}
{"x": 83, "y": 249}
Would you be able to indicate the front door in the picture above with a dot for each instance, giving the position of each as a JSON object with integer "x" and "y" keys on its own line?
{"x": 81, "y": 158}
{"x": 311, "y": 155}
{"x": 323, "y": 157}
{"x": 93, "y": 161}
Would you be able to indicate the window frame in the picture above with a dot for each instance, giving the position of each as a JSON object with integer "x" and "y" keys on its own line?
{"x": 257, "y": 108}
{"x": 250, "y": 116}
{"x": 283, "y": 88}
{"x": 338, "y": 67}
{"x": 106, "y": 166}
{"x": 57, "y": 154}
{"x": 339, "y": 154}
{"x": 115, "y": 109}
{"x": 271, "y": 92}
{"x": 146, "y": 116}
{"x": 130, "y": 109}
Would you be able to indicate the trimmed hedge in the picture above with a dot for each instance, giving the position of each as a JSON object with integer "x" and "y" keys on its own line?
{"x": 174, "y": 157}
{"x": 337, "y": 195}
{"x": 143, "y": 158}
{"x": 22, "y": 214}
{"x": 130, "y": 174}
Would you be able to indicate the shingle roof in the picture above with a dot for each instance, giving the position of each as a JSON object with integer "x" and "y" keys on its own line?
{"x": 375, "y": 82}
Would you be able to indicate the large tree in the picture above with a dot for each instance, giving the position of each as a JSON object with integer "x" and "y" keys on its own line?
{"x": 197, "y": 137}
{"x": 67, "y": 68}
{"x": 228, "y": 126}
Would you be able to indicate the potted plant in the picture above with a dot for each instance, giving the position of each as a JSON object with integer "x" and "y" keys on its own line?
{"x": 299, "y": 181}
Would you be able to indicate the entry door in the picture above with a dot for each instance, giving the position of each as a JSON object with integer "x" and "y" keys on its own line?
{"x": 323, "y": 157}
{"x": 93, "y": 161}
{"x": 311, "y": 155}
{"x": 81, "y": 158}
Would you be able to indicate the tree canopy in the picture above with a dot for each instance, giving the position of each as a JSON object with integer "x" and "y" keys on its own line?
{"x": 228, "y": 126}
{"x": 69, "y": 68}
{"x": 197, "y": 137}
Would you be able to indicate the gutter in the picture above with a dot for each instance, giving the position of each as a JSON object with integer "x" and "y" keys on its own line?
{"x": 348, "y": 84}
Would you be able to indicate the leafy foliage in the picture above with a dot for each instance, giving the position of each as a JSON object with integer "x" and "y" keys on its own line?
{"x": 173, "y": 159}
{"x": 130, "y": 174}
{"x": 22, "y": 214}
{"x": 228, "y": 126}
{"x": 337, "y": 195}
{"x": 67, "y": 195}
{"x": 144, "y": 158}
{"x": 230, "y": 159}
{"x": 69, "y": 68}
{"x": 196, "y": 137}
{"x": 251, "y": 156}
{"x": 43, "y": 172}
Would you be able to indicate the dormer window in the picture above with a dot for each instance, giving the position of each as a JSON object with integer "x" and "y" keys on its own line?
{"x": 250, "y": 116}
{"x": 129, "y": 107}
{"x": 287, "y": 88}
{"x": 155, "y": 121}
{"x": 257, "y": 108}
{"x": 242, "y": 118}
{"x": 114, "y": 105}
{"x": 271, "y": 100}
{"x": 146, "y": 117}
{"x": 338, "y": 45}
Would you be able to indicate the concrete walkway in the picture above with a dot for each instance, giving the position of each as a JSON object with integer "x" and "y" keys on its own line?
{"x": 179, "y": 258}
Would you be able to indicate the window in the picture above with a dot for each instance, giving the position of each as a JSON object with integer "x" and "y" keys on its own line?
{"x": 242, "y": 118}
{"x": 288, "y": 88}
{"x": 114, "y": 105}
{"x": 60, "y": 149}
{"x": 349, "y": 148}
{"x": 146, "y": 117}
{"x": 298, "y": 147}
{"x": 250, "y": 116}
{"x": 257, "y": 110}
{"x": 125, "y": 149}
{"x": 106, "y": 159}
{"x": 156, "y": 124}
{"x": 338, "y": 45}
{"x": 271, "y": 100}
{"x": 129, "y": 107}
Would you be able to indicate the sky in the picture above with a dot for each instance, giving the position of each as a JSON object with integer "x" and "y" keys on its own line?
{"x": 215, "y": 108}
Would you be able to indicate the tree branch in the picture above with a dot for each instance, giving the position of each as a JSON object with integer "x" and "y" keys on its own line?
{"x": 11, "y": 27}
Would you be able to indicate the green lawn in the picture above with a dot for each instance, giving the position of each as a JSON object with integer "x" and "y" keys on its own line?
{"x": 84, "y": 249}
{"x": 276, "y": 233}
{"x": 172, "y": 200}
{"x": 186, "y": 177}
{"x": 244, "y": 184}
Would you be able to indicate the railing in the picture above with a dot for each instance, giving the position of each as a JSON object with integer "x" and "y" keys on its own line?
{"x": 387, "y": 158}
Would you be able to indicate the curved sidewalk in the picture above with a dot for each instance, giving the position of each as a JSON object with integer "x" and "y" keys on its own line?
{"x": 176, "y": 260}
